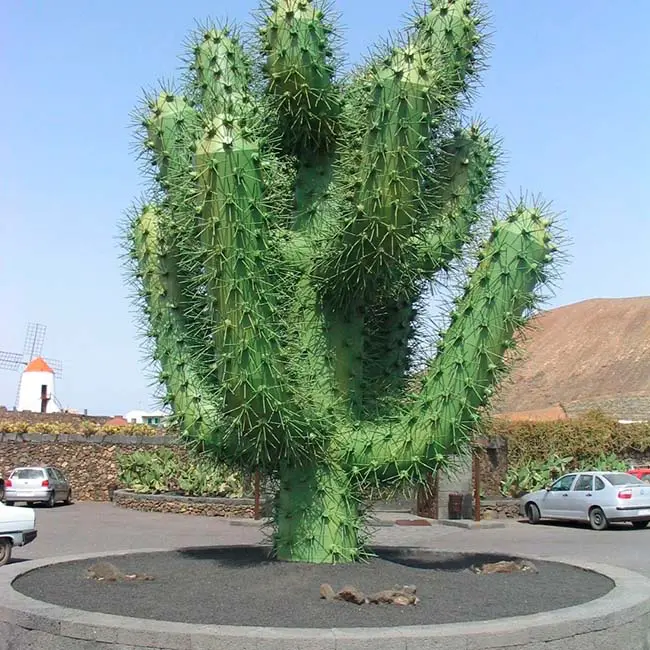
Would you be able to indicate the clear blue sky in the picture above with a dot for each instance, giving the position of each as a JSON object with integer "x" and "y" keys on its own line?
{"x": 567, "y": 89}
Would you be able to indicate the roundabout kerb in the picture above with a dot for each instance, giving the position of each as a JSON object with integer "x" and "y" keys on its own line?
{"x": 619, "y": 619}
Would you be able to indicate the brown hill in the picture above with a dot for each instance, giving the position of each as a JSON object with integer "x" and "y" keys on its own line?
{"x": 586, "y": 355}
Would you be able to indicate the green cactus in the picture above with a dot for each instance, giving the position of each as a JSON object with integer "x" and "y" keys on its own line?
{"x": 296, "y": 221}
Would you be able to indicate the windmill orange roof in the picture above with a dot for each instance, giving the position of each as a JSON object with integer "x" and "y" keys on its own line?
{"x": 38, "y": 365}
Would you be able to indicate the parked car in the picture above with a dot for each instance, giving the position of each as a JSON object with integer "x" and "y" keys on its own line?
{"x": 17, "y": 528}
{"x": 642, "y": 473}
{"x": 37, "y": 484}
{"x": 597, "y": 497}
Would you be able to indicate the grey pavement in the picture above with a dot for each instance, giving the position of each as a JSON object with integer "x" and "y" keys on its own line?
{"x": 88, "y": 527}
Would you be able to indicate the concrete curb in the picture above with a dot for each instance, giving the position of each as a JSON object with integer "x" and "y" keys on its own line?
{"x": 470, "y": 524}
{"x": 619, "y": 619}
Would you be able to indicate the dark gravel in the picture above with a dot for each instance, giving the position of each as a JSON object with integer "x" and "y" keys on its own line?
{"x": 243, "y": 587}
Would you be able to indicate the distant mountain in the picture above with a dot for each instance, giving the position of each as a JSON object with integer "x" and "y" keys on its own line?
{"x": 591, "y": 354}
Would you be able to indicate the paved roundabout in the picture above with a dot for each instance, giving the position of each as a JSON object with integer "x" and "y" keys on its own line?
{"x": 619, "y": 618}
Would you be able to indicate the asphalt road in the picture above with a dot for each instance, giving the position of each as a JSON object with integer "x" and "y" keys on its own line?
{"x": 88, "y": 527}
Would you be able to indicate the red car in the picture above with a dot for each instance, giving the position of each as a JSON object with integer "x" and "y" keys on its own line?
{"x": 642, "y": 473}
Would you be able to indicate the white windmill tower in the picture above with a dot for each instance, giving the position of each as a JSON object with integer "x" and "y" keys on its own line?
{"x": 36, "y": 388}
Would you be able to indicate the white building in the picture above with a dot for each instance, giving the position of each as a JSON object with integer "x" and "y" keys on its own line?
{"x": 152, "y": 418}
{"x": 36, "y": 390}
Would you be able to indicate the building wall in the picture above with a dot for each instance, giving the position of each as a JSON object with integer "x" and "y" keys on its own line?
{"x": 152, "y": 418}
{"x": 29, "y": 392}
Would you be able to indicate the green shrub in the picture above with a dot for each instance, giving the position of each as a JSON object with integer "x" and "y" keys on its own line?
{"x": 162, "y": 471}
{"x": 539, "y": 452}
{"x": 534, "y": 475}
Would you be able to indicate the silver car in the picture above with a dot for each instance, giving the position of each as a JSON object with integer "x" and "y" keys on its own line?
{"x": 596, "y": 497}
{"x": 37, "y": 484}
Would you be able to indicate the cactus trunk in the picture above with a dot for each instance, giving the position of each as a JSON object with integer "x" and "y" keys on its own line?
{"x": 317, "y": 517}
{"x": 295, "y": 221}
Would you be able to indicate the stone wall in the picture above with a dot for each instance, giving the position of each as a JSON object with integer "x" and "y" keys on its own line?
{"x": 89, "y": 462}
{"x": 500, "y": 509}
{"x": 493, "y": 463}
{"x": 205, "y": 506}
{"x": 51, "y": 418}
{"x": 619, "y": 407}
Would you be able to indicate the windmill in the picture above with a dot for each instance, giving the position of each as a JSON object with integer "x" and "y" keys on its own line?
{"x": 36, "y": 387}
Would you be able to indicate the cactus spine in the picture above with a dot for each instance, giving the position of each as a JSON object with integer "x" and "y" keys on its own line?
{"x": 295, "y": 221}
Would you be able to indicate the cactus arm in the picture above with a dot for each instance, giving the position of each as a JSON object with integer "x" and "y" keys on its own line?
{"x": 222, "y": 73}
{"x": 450, "y": 31}
{"x": 187, "y": 392}
{"x": 299, "y": 72}
{"x": 171, "y": 128}
{"x": 408, "y": 96}
{"x": 385, "y": 179}
{"x": 462, "y": 377}
{"x": 463, "y": 180}
{"x": 234, "y": 235}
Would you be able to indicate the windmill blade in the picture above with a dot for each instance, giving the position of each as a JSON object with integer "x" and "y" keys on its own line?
{"x": 56, "y": 365}
{"x": 34, "y": 340}
{"x": 11, "y": 361}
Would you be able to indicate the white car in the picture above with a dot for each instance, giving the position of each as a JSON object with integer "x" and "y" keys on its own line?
{"x": 17, "y": 528}
{"x": 596, "y": 497}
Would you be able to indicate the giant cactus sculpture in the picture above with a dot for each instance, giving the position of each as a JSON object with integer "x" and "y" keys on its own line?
{"x": 296, "y": 219}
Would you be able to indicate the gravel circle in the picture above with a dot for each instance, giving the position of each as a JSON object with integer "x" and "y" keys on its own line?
{"x": 242, "y": 586}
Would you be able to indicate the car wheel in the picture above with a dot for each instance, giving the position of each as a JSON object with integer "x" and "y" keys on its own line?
{"x": 640, "y": 524}
{"x": 9, "y": 503}
{"x": 532, "y": 512}
{"x": 5, "y": 551}
{"x": 68, "y": 498}
{"x": 597, "y": 519}
{"x": 51, "y": 500}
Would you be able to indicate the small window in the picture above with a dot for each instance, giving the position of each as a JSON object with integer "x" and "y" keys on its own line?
{"x": 622, "y": 479}
{"x": 563, "y": 484}
{"x": 584, "y": 483}
{"x": 600, "y": 484}
{"x": 133, "y": 420}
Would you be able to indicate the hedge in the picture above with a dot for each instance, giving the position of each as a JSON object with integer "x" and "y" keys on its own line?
{"x": 591, "y": 435}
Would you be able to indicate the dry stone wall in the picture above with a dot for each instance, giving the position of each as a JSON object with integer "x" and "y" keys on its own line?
{"x": 204, "y": 506}
{"x": 90, "y": 462}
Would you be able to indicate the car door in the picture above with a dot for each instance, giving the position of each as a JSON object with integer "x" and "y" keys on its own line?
{"x": 56, "y": 483}
{"x": 556, "y": 501}
{"x": 63, "y": 482}
{"x": 581, "y": 496}
{"x": 62, "y": 486}
{"x": 53, "y": 480}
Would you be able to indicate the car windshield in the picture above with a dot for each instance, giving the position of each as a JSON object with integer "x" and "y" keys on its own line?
{"x": 27, "y": 473}
{"x": 622, "y": 479}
